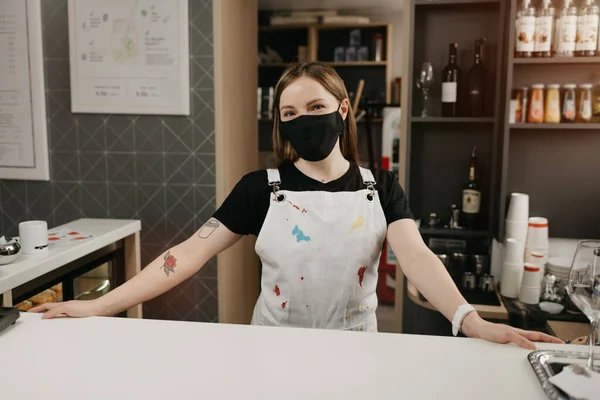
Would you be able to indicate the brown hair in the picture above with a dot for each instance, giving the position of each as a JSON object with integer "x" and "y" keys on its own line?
{"x": 331, "y": 81}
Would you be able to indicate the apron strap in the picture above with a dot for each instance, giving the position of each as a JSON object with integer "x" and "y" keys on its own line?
{"x": 273, "y": 176}
{"x": 367, "y": 176}
{"x": 369, "y": 182}
{"x": 274, "y": 182}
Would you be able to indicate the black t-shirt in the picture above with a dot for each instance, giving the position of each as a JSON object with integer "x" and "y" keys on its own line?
{"x": 244, "y": 210}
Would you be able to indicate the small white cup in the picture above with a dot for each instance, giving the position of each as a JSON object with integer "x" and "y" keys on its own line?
{"x": 538, "y": 259}
{"x": 537, "y": 233}
{"x": 531, "y": 275}
{"x": 33, "y": 237}
{"x": 518, "y": 209}
{"x": 514, "y": 251}
{"x": 529, "y": 295}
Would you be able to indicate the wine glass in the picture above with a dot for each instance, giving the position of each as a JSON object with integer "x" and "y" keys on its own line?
{"x": 584, "y": 287}
{"x": 425, "y": 82}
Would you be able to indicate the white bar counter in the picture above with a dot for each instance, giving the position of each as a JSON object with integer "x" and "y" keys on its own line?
{"x": 121, "y": 358}
{"x": 105, "y": 232}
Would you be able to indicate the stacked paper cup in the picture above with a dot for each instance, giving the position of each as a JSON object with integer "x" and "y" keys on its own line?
{"x": 514, "y": 245}
{"x": 512, "y": 268}
{"x": 537, "y": 238}
{"x": 517, "y": 216}
{"x": 538, "y": 259}
{"x": 530, "y": 285}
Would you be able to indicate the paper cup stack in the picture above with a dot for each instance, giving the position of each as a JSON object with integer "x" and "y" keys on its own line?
{"x": 514, "y": 245}
{"x": 529, "y": 292}
{"x": 537, "y": 238}
{"x": 517, "y": 217}
{"x": 512, "y": 268}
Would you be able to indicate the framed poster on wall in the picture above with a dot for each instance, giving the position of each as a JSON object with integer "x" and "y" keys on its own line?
{"x": 23, "y": 132}
{"x": 129, "y": 56}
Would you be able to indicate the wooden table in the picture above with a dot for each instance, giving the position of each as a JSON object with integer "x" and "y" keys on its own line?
{"x": 123, "y": 358}
{"x": 568, "y": 331}
{"x": 114, "y": 241}
{"x": 485, "y": 311}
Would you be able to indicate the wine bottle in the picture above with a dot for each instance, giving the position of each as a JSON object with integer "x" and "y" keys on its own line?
{"x": 477, "y": 82}
{"x": 471, "y": 202}
{"x": 450, "y": 82}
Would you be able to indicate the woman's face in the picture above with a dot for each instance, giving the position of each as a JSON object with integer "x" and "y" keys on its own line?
{"x": 305, "y": 96}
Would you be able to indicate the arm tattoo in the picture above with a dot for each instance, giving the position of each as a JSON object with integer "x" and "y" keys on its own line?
{"x": 170, "y": 262}
{"x": 208, "y": 228}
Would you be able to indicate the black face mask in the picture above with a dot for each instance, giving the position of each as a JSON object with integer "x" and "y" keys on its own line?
{"x": 313, "y": 136}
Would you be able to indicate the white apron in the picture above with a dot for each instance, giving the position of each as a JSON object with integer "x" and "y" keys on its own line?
{"x": 320, "y": 255}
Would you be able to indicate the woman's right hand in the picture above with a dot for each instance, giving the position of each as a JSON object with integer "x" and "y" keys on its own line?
{"x": 73, "y": 308}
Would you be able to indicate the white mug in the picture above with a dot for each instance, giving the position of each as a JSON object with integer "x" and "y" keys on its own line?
{"x": 33, "y": 236}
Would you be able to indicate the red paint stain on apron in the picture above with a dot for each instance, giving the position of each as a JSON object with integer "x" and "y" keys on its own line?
{"x": 283, "y": 304}
{"x": 303, "y": 210}
{"x": 301, "y": 278}
{"x": 277, "y": 291}
{"x": 361, "y": 275}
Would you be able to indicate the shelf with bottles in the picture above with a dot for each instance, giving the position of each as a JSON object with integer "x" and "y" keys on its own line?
{"x": 565, "y": 32}
{"x": 440, "y": 166}
{"x": 469, "y": 100}
{"x": 555, "y": 106}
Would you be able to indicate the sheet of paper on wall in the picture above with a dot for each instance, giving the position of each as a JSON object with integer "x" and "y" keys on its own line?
{"x": 129, "y": 56}
{"x": 23, "y": 133}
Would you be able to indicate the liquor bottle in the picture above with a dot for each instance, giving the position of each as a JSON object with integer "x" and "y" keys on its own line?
{"x": 525, "y": 30}
{"x": 544, "y": 29}
{"x": 471, "y": 195}
{"x": 587, "y": 29}
{"x": 477, "y": 82}
{"x": 565, "y": 30}
{"x": 450, "y": 82}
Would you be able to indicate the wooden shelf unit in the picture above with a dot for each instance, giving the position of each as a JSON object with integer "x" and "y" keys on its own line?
{"x": 320, "y": 41}
{"x": 553, "y": 163}
{"x": 326, "y": 36}
{"x": 437, "y": 149}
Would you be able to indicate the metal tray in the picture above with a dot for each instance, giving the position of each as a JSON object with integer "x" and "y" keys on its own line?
{"x": 547, "y": 363}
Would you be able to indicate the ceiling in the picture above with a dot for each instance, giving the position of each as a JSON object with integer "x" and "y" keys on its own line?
{"x": 379, "y": 5}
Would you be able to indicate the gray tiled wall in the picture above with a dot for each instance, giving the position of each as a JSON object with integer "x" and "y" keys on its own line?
{"x": 153, "y": 168}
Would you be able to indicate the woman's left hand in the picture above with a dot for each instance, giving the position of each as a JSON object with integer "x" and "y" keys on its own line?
{"x": 474, "y": 326}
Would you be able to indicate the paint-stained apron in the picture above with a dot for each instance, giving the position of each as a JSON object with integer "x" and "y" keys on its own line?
{"x": 320, "y": 254}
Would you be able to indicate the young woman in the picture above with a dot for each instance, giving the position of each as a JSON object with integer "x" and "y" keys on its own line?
{"x": 321, "y": 221}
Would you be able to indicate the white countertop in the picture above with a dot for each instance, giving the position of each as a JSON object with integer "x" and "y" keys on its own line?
{"x": 104, "y": 231}
{"x": 101, "y": 358}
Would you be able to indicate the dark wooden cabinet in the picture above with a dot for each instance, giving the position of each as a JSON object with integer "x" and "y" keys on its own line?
{"x": 437, "y": 149}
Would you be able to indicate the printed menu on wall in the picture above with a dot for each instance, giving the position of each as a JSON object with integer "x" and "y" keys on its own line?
{"x": 23, "y": 133}
{"x": 129, "y": 56}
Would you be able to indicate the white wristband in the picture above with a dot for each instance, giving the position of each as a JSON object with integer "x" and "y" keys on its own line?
{"x": 459, "y": 317}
